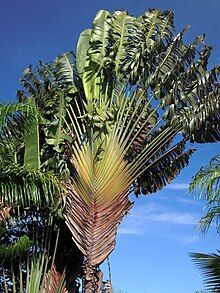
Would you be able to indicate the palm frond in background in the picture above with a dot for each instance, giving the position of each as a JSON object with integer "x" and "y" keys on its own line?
{"x": 209, "y": 265}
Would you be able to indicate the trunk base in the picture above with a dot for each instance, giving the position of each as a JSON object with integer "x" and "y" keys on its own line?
{"x": 92, "y": 279}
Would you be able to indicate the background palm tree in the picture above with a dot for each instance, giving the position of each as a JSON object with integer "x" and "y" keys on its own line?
{"x": 31, "y": 189}
{"x": 209, "y": 265}
{"x": 206, "y": 185}
{"x": 113, "y": 119}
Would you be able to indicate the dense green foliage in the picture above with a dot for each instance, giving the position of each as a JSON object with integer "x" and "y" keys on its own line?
{"x": 113, "y": 118}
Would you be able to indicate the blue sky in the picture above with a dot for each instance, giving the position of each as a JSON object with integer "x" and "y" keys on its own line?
{"x": 153, "y": 242}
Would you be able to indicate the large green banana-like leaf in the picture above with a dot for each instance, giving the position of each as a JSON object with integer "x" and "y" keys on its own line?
{"x": 31, "y": 141}
{"x": 152, "y": 32}
{"x": 96, "y": 55}
{"x": 81, "y": 52}
{"x": 122, "y": 25}
{"x": 55, "y": 135}
{"x": 203, "y": 115}
{"x": 65, "y": 68}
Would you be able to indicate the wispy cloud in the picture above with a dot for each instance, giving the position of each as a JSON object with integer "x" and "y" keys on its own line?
{"x": 129, "y": 230}
{"x": 157, "y": 219}
{"x": 189, "y": 239}
{"x": 177, "y": 186}
{"x": 175, "y": 218}
{"x": 187, "y": 200}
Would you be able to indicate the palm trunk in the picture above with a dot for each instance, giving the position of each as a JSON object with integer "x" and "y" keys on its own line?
{"x": 93, "y": 279}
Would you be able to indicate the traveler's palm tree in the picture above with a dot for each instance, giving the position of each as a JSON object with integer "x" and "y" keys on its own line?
{"x": 118, "y": 116}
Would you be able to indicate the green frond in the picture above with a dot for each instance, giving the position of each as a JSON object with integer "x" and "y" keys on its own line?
{"x": 162, "y": 168}
{"x": 96, "y": 56}
{"x": 152, "y": 33}
{"x": 202, "y": 115}
{"x": 209, "y": 265}
{"x": 31, "y": 140}
{"x": 211, "y": 216}
{"x": 206, "y": 183}
{"x": 12, "y": 251}
{"x": 122, "y": 25}
{"x": 54, "y": 132}
{"x": 39, "y": 265}
{"x": 22, "y": 187}
{"x": 12, "y": 118}
{"x": 38, "y": 82}
{"x": 65, "y": 69}
{"x": 81, "y": 52}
